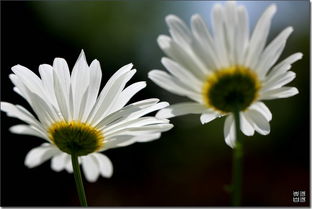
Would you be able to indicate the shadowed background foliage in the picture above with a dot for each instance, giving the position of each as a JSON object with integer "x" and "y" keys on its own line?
{"x": 191, "y": 164}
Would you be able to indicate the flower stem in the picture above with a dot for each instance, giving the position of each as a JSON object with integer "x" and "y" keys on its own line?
{"x": 78, "y": 180}
{"x": 237, "y": 164}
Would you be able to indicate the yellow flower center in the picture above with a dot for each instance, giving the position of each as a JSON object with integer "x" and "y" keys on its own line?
{"x": 75, "y": 137}
{"x": 231, "y": 89}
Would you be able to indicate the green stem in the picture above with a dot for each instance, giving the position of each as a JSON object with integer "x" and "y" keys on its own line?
{"x": 78, "y": 180}
{"x": 237, "y": 164}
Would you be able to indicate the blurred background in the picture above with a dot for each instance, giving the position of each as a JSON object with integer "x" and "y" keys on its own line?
{"x": 191, "y": 164}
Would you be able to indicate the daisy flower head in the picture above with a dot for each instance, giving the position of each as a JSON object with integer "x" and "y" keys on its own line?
{"x": 227, "y": 69}
{"x": 75, "y": 116}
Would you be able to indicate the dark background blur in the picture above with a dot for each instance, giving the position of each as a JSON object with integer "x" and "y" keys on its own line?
{"x": 191, "y": 164}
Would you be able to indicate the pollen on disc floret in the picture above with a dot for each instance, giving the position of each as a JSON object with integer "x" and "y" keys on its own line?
{"x": 231, "y": 89}
{"x": 75, "y": 137}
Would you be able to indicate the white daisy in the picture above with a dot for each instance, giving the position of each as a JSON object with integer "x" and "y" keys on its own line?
{"x": 227, "y": 70}
{"x": 72, "y": 117}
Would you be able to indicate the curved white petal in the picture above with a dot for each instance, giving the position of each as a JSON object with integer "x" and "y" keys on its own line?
{"x": 262, "y": 109}
{"x": 90, "y": 168}
{"x": 181, "y": 109}
{"x": 242, "y": 35}
{"x": 283, "y": 66}
{"x": 272, "y": 52}
{"x": 109, "y": 95}
{"x": 30, "y": 80}
{"x": 204, "y": 43}
{"x": 185, "y": 56}
{"x": 173, "y": 85}
{"x": 219, "y": 34}
{"x": 28, "y": 130}
{"x": 178, "y": 30}
{"x": 94, "y": 86}
{"x": 279, "y": 81}
{"x": 138, "y": 122}
{"x": 80, "y": 80}
{"x": 259, "y": 37}
{"x": 259, "y": 122}
{"x": 245, "y": 126}
{"x": 105, "y": 165}
{"x": 21, "y": 113}
{"x": 130, "y": 109}
{"x": 38, "y": 155}
{"x": 46, "y": 74}
{"x": 59, "y": 161}
{"x": 229, "y": 131}
{"x": 127, "y": 94}
{"x": 282, "y": 92}
{"x": 206, "y": 116}
{"x": 182, "y": 74}
{"x": 62, "y": 72}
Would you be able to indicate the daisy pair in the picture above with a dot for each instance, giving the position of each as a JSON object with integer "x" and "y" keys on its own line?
{"x": 225, "y": 70}
{"x": 75, "y": 116}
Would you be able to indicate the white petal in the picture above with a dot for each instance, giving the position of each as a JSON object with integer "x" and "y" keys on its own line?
{"x": 282, "y": 92}
{"x": 245, "y": 125}
{"x": 45, "y": 111}
{"x": 19, "y": 85}
{"x": 279, "y": 81}
{"x": 284, "y": 65}
{"x": 173, "y": 85}
{"x": 126, "y": 140}
{"x": 182, "y": 74}
{"x": 62, "y": 71}
{"x": 80, "y": 78}
{"x": 40, "y": 154}
{"x": 230, "y": 27}
{"x": 59, "y": 162}
{"x": 259, "y": 122}
{"x": 62, "y": 96}
{"x": 206, "y": 116}
{"x": 181, "y": 109}
{"x": 110, "y": 94}
{"x": 242, "y": 34}
{"x": 127, "y": 94}
{"x": 147, "y": 110}
{"x": 147, "y": 138}
{"x": 69, "y": 165}
{"x": 90, "y": 168}
{"x": 46, "y": 74}
{"x": 105, "y": 165}
{"x": 259, "y": 37}
{"x": 183, "y": 55}
{"x": 21, "y": 113}
{"x": 30, "y": 80}
{"x": 128, "y": 110}
{"x": 94, "y": 86}
{"x": 272, "y": 52}
{"x": 262, "y": 109}
{"x": 138, "y": 122}
{"x": 145, "y": 130}
{"x": 219, "y": 35}
{"x": 229, "y": 131}
{"x": 204, "y": 43}
{"x": 178, "y": 30}
{"x": 28, "y": 130}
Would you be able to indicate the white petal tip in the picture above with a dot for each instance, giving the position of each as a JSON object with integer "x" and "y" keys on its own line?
{"x": 170, "y": 18}
{"x": 164, "y": 113}
{"x": 300, "y": 55}
{"x": 272, "y": 9}
{"x": 163, "y": 41}
{"x": 195, "y": 17}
